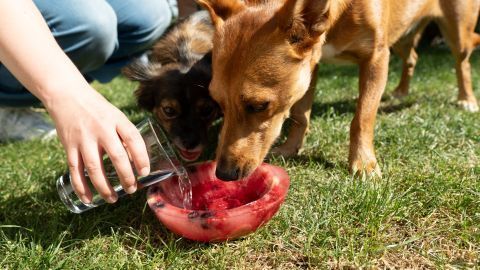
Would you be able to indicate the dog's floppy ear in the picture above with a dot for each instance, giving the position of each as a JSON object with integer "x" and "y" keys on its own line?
{"x": 303, "y": 21}
{"x": 144, "y": 73}
{"x": 220, "y": 10}
{"x": 141, "y": 71}
{"x": 145, "y": 95}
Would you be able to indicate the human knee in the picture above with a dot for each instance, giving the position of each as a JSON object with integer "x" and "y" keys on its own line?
{"x": 101, "y": 33}
{"x": 149, "y": 22}
{"x": 94, "y": 32}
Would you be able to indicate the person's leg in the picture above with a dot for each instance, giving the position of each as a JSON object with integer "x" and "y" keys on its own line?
{"x": 87, "y": 32}
{"x": 12, "y": 93}
{"x": 140, "y": 24}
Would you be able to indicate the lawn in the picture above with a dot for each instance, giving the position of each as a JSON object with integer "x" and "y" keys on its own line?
{"x": 424, "y": 212}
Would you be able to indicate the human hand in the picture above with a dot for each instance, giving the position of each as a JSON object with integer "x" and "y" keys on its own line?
{"x": 89, "y": 126}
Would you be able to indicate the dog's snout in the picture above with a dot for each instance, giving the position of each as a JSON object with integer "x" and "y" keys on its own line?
{"x": 227, "y": 173}
{"x": 191, "y": 142}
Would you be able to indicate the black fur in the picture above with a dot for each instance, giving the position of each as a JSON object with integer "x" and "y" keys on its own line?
{"x": 179, "y": 69}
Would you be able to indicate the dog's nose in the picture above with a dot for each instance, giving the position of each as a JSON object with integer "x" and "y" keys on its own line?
{"x": 227, "y": 174}
{"x": 190, "y": 143}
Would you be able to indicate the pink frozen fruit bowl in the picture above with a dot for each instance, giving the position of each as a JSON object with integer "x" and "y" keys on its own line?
{"x": 220, "y": 210}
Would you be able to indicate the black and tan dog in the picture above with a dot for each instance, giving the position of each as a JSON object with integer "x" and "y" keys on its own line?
{"x": 174, "y": 84}
{"x": 265, "y": 52}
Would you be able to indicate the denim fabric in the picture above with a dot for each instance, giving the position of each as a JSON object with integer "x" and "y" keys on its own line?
{"x": 100, "y": 36}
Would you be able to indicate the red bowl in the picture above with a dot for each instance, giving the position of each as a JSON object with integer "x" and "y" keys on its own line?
{"x": 220, "y": 210}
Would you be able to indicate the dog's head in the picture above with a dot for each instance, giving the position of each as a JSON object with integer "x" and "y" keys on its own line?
{"x": 263, "y": 56}
{"x": 178, "y": 97}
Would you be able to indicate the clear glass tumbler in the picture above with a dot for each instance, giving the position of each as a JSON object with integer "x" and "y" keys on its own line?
{"x": 163, "y": 164}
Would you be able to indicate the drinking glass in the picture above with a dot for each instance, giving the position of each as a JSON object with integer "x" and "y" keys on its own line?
{"x": 164, "y": 164}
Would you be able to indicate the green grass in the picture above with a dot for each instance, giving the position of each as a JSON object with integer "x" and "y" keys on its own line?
{"x": 424, "y": 212}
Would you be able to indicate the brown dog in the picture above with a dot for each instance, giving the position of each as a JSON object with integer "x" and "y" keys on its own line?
{"x": 265, "y": 52}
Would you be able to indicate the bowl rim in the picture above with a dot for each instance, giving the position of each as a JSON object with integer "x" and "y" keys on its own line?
{"x": 243, "y": 209}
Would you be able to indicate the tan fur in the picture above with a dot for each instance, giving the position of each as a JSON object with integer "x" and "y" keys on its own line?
{"x": 191, "y": 36}
{"x": 265, "y": 54}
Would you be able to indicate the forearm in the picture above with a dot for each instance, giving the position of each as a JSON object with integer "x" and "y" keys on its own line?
{"x": 87, "y": 125}
{"x": 30, "y": 52}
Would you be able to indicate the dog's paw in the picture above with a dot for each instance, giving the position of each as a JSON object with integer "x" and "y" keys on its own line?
{"x": 285, "y": 151}
{"x": 400, "y": 93}
{"x": 467, "y": 105}
{"x": 366, "y": 166}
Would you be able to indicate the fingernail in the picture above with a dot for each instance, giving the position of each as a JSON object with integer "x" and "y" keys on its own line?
{"x": 131, "y": 189}
{"x": 112, "y": 199}
{"x": 85, "y": 199}
{"x": 144, "y": 171}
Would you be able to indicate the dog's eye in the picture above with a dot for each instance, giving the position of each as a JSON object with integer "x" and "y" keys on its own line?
{"x": 255, "y": 108}
{"x": 169, "y": 112}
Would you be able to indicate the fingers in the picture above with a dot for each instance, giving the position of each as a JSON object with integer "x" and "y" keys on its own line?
{"x": 92, "y": 160}
{"x": 120, "y": 160}
{"x": 136, "y": 146}
{"x": 78, "y": 181}
{"x": 121, "y": 143}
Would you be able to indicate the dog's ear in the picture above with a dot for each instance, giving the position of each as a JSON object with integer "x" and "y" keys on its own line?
{"x": 304, "y": 21}
{"x": 140, "y": 71}
{"x": 145, "y": 95}
{"x": 220, "y": 10}
{"x": 144, "y": 73}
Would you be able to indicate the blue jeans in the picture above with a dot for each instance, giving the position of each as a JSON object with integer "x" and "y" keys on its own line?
{"x": 100, "y": 36}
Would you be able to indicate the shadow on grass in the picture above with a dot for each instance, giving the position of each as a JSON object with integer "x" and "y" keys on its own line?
{"x": 330, "y": 70}
{"x": 348, "y": 106}
{"x": 42, "y": 219}
{"x": 339, "y": 107}
{"x": 318, "y": 158}
{"x": 391, "y": 107}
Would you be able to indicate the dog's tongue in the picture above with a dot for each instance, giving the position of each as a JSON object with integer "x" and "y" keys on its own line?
{"x": 189, "y": 156}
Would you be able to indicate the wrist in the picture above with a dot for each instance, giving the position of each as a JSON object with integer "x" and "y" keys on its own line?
{"x": 55, "y": 92}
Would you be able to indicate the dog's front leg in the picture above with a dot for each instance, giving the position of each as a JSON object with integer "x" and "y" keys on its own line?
{"x": 372, "y": 82}
{"x": 300, "y": 116}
